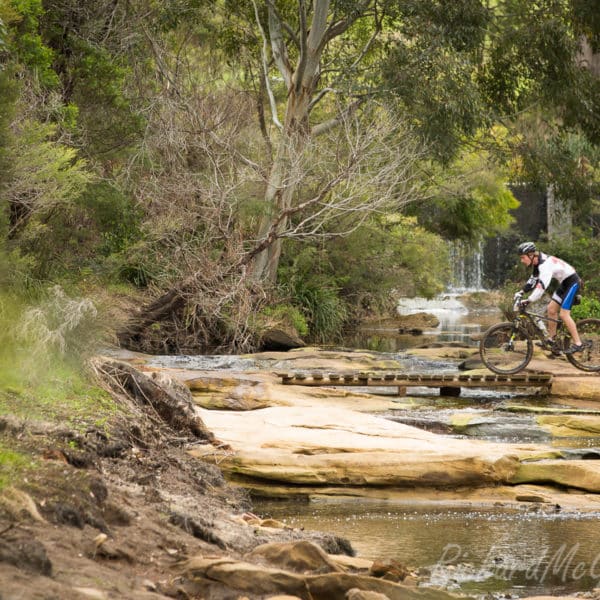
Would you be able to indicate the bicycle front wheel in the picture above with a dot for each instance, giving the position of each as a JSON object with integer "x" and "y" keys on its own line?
{"x": 589, "y": 358}
{"x": 505, "y": 349}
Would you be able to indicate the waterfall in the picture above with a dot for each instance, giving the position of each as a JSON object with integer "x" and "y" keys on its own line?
{"x": 467, "y": 267}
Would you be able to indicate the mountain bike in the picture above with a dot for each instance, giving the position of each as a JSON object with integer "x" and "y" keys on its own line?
{"x": 507, "y": 348}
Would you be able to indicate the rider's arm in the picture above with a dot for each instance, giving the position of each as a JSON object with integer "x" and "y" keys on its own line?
{"x": 543, "y": 281}
{"x": 529, "y": 284}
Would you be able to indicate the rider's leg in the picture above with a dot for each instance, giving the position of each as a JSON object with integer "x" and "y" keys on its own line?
{"x": 567, "y": 319}
{"x": 568, "y": 297}
{"x": 552, "y": 310}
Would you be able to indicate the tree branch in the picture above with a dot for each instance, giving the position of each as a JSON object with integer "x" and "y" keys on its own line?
{"x": 265, "y": 67}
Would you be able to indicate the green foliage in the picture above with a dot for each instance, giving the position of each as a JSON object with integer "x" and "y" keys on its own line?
{"x": 315, "y": 295}
{"x": 100, "y": 90}
{"x": 58, "y": 325}
{"x": 586, "y": 20}
{"x": 589, "y": 307}
{"x": 387, "y": 257}
{"x": 567, "y": 160}
{"x": 471, "y": 199}
{"x": 285, "y": 314}
{"x": 363, "y": 273}
{"x": 584, "y": 254}
{"x": 25, "y": 42}
{"x": 11, "y": 464}
{"x": 116, "y": 219}
{"x": 42, "y": 352}
{"x": 430, "y": 69}
{"x": 46, "y": 181}
{"x": 9, "y": 93}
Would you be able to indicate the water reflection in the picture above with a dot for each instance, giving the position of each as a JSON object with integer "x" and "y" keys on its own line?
{"x": 518, "y": 552}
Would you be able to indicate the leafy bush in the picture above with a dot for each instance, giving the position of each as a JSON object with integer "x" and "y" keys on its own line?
{"x": 285, "y": 314}
{"x": 315, "y": 294}
{"x": 58, "y": 326}
{"x": 387, "y": 257}
{"x": 589, "y": 307}
{"x": 584, "y": 254}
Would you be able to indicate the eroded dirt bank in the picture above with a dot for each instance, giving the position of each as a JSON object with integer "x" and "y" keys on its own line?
{"x": 127, "y": 513}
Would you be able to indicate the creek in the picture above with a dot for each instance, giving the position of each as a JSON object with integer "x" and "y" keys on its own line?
{"x": 535, "y": 549}
{"x": 482, "y": 551}
{"x": 485, "y": 552}
{"x": 479, "y": 552}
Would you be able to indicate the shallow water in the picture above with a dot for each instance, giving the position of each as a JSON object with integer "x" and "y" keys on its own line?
{"x": 503, "y": 552}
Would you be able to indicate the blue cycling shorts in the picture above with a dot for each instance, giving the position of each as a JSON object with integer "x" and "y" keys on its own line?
{"x": 566, "y": 292}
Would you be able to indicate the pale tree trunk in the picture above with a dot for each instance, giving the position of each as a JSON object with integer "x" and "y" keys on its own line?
{"x": 279, "y": 196}
{"x": 301, "y": 83}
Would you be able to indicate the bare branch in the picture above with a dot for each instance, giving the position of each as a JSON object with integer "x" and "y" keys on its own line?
{"x": 265, "y": 67}
{"x": 346, "y": 112}
{"x": 361, "y": 169}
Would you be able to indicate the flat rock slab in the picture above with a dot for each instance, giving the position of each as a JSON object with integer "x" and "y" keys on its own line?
{"x": 333, "y": 446}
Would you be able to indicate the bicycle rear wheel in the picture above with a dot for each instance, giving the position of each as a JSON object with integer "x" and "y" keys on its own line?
{"x": 505, "y": 349}
{"x": 589, "y": 359}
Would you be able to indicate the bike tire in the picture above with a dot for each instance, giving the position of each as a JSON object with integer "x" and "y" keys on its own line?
{"x": 500, "y": 355}
{"x": 589, "y": 359}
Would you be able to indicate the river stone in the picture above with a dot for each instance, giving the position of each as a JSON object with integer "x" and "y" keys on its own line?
{"x": 230, "y": 393}
{"x": 334, "y": 586}
{"x": 246, "y": 577}
{"x": 326, "y": 445}
{"x": 582, "y": 388}
{"x": 570, "y": 425}
{"x": 356, "y": 594}
{"x": 580, "y": 474}
{"x": 298, "y": 556}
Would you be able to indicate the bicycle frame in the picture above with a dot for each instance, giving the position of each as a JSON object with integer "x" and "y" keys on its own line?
{"x": 531, "y": 318}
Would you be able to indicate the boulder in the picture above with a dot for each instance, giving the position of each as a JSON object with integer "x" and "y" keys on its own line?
{"x": 278, "y": 339}
{"x": 578, "y": 474}
{"x": 246, "y": 577}
{"x": 301, "y": 556}
{"x": 417, "y": 321}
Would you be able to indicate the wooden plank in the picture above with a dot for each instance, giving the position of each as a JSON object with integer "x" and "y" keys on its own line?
{"x": 403, "y": 380}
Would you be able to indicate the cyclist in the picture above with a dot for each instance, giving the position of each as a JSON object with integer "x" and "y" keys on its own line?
{"x": 544, "y": 269}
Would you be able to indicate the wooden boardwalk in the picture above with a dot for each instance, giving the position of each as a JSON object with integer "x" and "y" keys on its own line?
{"x": 448, "y": 384}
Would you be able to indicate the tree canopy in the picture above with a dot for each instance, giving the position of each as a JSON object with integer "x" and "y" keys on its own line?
{"x": 192, "y": 145}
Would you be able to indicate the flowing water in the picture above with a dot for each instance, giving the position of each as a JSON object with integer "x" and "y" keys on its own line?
{"x": 505, "y": 553}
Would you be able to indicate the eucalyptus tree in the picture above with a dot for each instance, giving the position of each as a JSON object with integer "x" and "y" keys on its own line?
{"x": 323, "y": 52}
{"x": 452, "y": 70}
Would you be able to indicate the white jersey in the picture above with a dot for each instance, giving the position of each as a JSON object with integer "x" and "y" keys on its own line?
{"x": 549, "y": 268}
